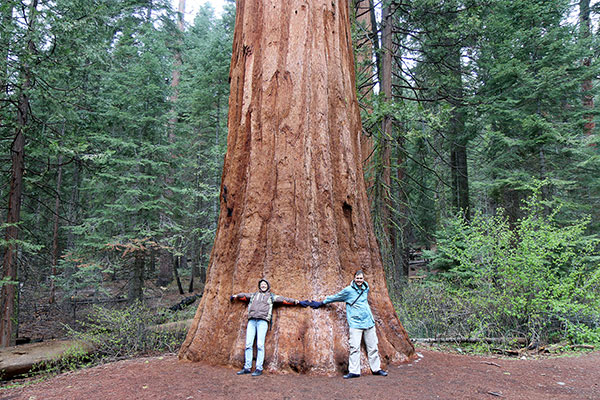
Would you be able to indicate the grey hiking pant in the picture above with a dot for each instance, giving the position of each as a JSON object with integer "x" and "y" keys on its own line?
{"x": 370, "y": 337}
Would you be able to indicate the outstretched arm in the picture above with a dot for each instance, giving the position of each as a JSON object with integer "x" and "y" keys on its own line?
{"x": 340, "y": 296}
{"x": 241, "y": 297}
{"x": 285, "y": 300}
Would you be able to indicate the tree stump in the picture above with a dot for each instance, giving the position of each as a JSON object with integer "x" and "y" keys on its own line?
{"x": 293, "y": 205}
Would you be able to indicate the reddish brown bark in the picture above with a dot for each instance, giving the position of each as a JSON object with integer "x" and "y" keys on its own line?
{"x": 56, "y": 226}
{"x": 385, "y": 200}
{"x": 365, "y": 47}
{"x": 294, "y": 208}
{"x": 9, "y": 263}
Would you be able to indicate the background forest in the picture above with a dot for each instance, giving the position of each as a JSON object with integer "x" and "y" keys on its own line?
{"x": 479, "y": 141}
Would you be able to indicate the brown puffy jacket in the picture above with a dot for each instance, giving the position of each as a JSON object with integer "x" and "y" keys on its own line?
{"x": 261, "y": 303}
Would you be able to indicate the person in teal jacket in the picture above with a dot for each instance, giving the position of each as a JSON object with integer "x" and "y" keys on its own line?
{"x": 361, "y": 324}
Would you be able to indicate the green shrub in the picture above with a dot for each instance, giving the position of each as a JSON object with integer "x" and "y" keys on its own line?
{"x": 127, "y": 332}
{"x": 536, "y": 278}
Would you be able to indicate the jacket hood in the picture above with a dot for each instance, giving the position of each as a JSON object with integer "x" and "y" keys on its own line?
{"x": 267, "y": 282}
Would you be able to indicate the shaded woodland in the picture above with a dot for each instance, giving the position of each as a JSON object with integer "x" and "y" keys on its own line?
{"x": 479, "y": 148}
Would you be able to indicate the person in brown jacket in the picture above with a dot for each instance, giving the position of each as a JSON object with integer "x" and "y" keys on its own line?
{"x": 260, "y": 312}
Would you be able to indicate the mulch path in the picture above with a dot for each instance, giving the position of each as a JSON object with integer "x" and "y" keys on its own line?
{"x": 435, "y": 375}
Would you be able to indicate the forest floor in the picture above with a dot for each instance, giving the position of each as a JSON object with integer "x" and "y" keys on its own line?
{"x": 434, "y": 375}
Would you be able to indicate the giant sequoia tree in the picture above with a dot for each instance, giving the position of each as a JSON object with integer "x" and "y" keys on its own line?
{"x": 293, "y": 204}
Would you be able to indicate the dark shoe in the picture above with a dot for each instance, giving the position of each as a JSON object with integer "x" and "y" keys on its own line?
{"x": 243, "y": 371}
{"x": 380, "y": 373}
{"x": 257, "y": 372}
{"x": 351, "y": 375}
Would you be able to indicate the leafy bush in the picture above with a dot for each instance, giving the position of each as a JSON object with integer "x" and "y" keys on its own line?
{"x": 127, "y": 332}
{"x": 537, "y": 278}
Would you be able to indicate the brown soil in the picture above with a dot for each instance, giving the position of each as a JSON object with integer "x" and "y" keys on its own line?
{"x": 435, "y": 375}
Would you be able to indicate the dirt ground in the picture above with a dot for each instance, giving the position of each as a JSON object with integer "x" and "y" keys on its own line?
{"x": 435, "y": 375}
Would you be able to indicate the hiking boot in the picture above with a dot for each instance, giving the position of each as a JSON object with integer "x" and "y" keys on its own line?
{"x": 257, "y": 372}
{"x": 243, "y": 371}
{"x": 350, "y": 375}
{"x": 380, "y": 373}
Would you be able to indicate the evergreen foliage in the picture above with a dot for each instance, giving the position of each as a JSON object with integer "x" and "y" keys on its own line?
{"x": 487, "y": 99}
{"x": 537, "y": 279}
{"x": 100, "y": 112}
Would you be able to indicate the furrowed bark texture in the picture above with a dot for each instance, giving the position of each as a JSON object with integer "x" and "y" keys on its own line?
{"x": 293, "y": 204}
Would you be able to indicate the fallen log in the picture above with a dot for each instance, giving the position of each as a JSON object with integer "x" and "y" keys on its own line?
{"x": 582, "y": 346}
{"x": 173, "y": 326}
{"x": 185, "y": 302}
{"x": 520, "y": 340}
{"x": 18, "y": 360}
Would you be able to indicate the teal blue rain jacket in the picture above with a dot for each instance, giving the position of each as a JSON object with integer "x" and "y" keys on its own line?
{"x": 359, "y": 315}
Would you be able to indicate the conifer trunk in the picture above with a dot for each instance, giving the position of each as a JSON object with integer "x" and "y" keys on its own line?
{"x": 366, "y": 47}
{"x": 293, "y": 205}
{"x": 166, "y": 267}
{"x": 136, "y": 279}
{"x": 55, "y": 228}
{"x": 587, "y": 85}
{"x": 457, "y": 135}
{"x": 8, "y": 293}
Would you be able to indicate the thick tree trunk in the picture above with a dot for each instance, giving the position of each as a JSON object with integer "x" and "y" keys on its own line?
{"x": 9, "y": 264}
{"x": 293, "y": 205}
{"x": 136, "y": 280}
{"x": 8, "y": 292}
{"x": 165, "y": 268}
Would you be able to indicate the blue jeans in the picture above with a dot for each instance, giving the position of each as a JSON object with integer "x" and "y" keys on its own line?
{"x": 258, "y": 328}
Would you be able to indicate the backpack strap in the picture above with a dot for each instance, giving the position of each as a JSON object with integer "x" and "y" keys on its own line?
{"x": 357, "y": 297}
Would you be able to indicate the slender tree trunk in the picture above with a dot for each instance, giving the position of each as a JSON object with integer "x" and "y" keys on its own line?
{"x": 6, "y": 14}
{"x": 149, "y": 11}
{"x": 295, "y": 210}
{"x": 166, "y": 267}
{"x": 201, "y": 268}
{"x": 56, "y": 226}
{"x": 73, "y": 210}
{"x": 176, "y": 272}
{"x": 193, "y": 273}
{"x": 458, "y": 137}
{"x": 368, "y": 41}
{"x": 136, "y": 280}
{"x": 388, "y": 51}
{"x": 198, "y": 244}
{"x": 8, "y": 292}
{"x": 402, "y": 226}
{"x": 587, "y": 85}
